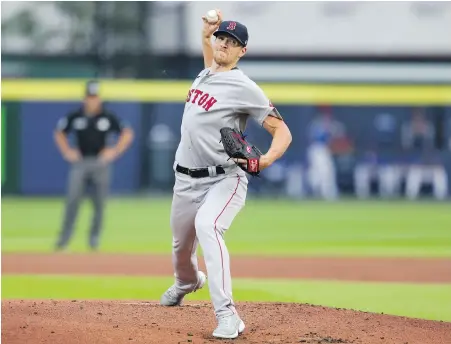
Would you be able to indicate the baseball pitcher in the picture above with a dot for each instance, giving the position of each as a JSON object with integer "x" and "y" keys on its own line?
{"x": 210, "y": 168}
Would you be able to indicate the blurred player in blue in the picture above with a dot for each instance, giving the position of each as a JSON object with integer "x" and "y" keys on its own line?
{"x": 323, "y": 133}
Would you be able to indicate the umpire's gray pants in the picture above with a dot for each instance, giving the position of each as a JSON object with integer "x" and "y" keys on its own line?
{"x": 95, "y": 173}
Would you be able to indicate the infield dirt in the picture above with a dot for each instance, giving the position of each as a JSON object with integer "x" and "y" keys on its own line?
{"x": 81, "y": 321}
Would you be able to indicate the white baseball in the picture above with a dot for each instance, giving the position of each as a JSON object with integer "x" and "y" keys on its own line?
{"x": 212, "y": 16}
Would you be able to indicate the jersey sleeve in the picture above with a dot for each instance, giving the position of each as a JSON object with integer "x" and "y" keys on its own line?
{"x": 65, "y": 123}
{"x": 255, "y": 103}
{"x": 117, "y": 125}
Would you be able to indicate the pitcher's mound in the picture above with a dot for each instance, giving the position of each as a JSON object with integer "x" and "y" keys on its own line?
{"x": 76, "y": 321}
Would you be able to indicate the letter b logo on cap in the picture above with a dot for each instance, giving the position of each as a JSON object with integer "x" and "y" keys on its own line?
{"x": 232, "y": 26}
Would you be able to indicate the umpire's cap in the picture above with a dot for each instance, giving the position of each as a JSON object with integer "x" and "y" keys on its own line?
{"x": 92, "y": 88}
{"x": 234, "y": 29}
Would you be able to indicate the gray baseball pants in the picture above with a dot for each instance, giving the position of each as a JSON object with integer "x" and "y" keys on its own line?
{"x": 86, "y": 172}
{"x": 202, "y": 211}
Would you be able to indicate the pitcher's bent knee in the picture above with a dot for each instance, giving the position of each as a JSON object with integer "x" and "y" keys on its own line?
{"x": 204, "y": 227}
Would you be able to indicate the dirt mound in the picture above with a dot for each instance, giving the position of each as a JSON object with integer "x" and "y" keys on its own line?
{"x": 75, "y": 321}
{"x": 47, "y": 321}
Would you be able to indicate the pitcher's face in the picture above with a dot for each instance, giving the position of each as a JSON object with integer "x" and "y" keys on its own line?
{"x": 227, "y": 50}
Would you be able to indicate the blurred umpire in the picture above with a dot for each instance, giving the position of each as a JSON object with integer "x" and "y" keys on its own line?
{"x": 90, "y": 160}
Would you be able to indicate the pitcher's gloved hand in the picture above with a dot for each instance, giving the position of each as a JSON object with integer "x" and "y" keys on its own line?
{"x": 245, "y": 154}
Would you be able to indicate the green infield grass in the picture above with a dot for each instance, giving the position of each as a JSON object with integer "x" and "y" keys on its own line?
{"x": 425, "y": 301}
{"x": 263, "y": 227}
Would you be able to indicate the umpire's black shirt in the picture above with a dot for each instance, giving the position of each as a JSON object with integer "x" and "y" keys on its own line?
{"x": 90, "y": 131}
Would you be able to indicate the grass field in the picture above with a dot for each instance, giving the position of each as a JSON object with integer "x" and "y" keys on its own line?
{"x": 419, "y": 301}
{"x": 263, "y": 227}
{"x": 345, "y": 228}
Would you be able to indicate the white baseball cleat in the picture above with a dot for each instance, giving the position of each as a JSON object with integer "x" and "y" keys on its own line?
{"x": 172, "y": 298}
{"x": 229, "y": 327}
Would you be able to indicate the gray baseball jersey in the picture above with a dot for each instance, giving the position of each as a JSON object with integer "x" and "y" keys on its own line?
{"x": 216, "y": 100}
{"x": 204, "y": 208}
